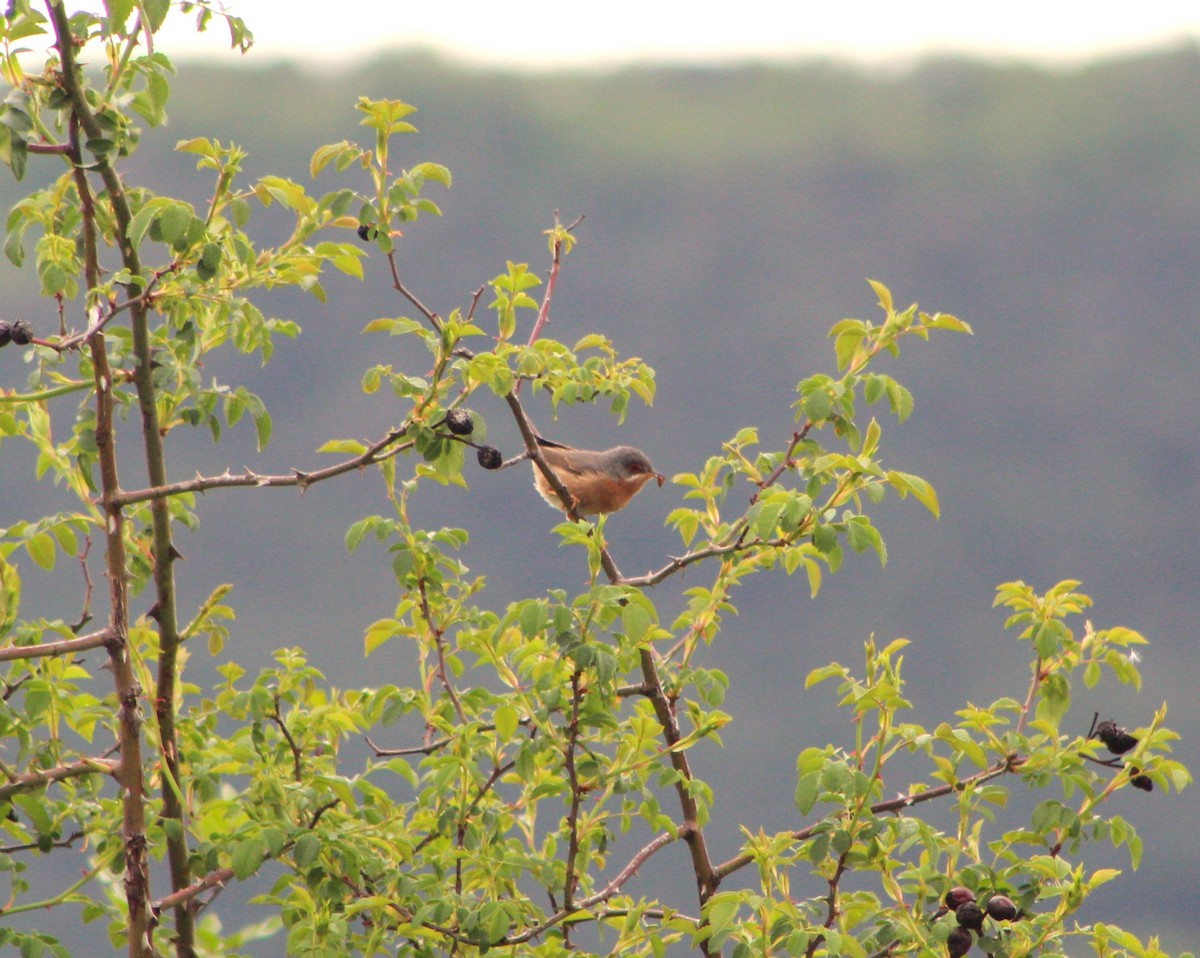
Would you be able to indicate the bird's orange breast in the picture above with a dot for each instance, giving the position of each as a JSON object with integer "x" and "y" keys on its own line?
{"x": 594, "y": 492}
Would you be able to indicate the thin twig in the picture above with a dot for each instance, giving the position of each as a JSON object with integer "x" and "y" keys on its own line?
{"x": 434, "y": 319}
{"x": 85, "y": 613}
{"x": 440, "y": 648}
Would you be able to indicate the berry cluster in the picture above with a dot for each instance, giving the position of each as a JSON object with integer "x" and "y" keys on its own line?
{"x": 19, "y": 332}
{"x": 1118, "y": 741}
{"x": 461, "y": 424}
{"x": 970, "y": 915}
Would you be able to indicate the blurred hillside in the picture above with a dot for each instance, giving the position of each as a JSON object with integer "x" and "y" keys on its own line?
{"x": 731, "y": 217}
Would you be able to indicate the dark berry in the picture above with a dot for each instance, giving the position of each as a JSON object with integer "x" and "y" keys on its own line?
{"x": 1001, "y": 908}
{"x": 489, "y": 457}
{"x": 367, "y": 232}
{"x": 5, "y": 333}
{"x": 21, "y": 332}
{"x": 958, "y": 896}
{"x": 460, "y": 422}
{"x": 958, "y": 942}
{"x": 970, "y": 915}
{"x": 1115, "y": 738}
{"x": 1138, "y": 780}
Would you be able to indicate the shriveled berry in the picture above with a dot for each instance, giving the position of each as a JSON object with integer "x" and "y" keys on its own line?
{"x": 958, "y": 895}
{"x": 970, "y": 915}
{"x": 1115, "y": 739}
{"x": 1001, "y": 908}
{"x": 460, "y": 422}
{"x": 489, "y": 457}
{"x": 958, "y": 942}
{"x": 1138, "y": 780}
{"x": 367, "y": 232}
{"x": 21, "y": 332}
{"x": 5, "y": 333}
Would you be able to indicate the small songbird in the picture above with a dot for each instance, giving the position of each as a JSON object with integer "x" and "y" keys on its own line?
{"x": 598, "y": 481}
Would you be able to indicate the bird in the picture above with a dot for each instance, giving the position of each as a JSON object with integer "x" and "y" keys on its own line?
{"x": 598, "y": 482}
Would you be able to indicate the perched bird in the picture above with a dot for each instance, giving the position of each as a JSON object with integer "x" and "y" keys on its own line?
{"x": 598, "y": 481}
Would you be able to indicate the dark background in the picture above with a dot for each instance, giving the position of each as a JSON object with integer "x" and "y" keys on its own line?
{"x": 732, "y": 215}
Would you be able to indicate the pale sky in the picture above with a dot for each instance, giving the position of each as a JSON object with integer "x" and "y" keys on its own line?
{"x": 554, "y": 33}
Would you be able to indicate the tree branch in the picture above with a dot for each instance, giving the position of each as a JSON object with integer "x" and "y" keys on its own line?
{"x": 65, "y": 647}
{"x": 1009, "y": 765}
{"x": 374, "y": 453}
{"x": 35, "y": 780}
{"x": 129, "y": 770}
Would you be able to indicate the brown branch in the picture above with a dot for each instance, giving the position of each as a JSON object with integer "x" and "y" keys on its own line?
{"x": 543, "y": 316}
{"x": 831, "y": 909}
{"x": 1034, "y": 684}
{"x": 604, "y": 894}
{"x": 75, "y": 340}
{"x": 49, "y": 149}
{"x": 129, "y": 771}
{"x": 732, "y": 545}
{"x": 707, "y": 877}
{"x": 486, "y": 787}
{"x": 430, "y": 747}
{"x": 275, "y": 717}
{"x": 216, "y": 879}
{"x": 440, "y": 648}
{"x": 29, "y": 846}
{"x": 786, "y": 463}
{"x": 31, "y": 781}
{"x": 1009, "y": 765}
{"x": 434, "y": 319}
{"x": 475, "y": 302}
{"x": 576, "y": 794}
{"x": 104, "y": 637}
{"x": 85, "y": 613}
{"x": 374, "y": 453}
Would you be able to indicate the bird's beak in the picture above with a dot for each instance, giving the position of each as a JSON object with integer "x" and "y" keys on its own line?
{"x": 661, "y": 478}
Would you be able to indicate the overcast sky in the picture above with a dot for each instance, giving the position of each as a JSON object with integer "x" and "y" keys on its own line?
{"x": 553, "y": 33}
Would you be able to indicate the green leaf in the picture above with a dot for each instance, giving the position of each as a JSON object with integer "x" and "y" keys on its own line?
{"x": 884, "y": 294}
{"x": 508, "y": 720}
{"x": 946, "y": 321}
{"x": 348, "y": 446}
{"x": 41, "y": 549}
{"x": 433, "y": 171}
{"x": 901, "y": 399}
{"x": 905, "y": 483}
{"x": 248, "y": 856}
{"x": 307, "y": 849}
{"x": 380, "y": 632}
{"x": 10, "y": 595}
{"x": 817, "y": 405}
{"x": 636, "y": 621}
{"x": 825, "y": 538}
{"x": 262, "y": 428}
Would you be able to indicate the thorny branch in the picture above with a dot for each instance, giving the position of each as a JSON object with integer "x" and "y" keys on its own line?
{"x": 129, "y": 769}
{"x": 378, "y": 451}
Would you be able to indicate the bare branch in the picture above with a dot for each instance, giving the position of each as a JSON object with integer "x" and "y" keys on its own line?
{"x": 1009, "y": 765}
{"x": 32, "y": 781}
{"x": 434, "y": 319}
{"x": 216, "y": 879}
{"x": 376, "y": 452}
{"x": 66, "y": 647}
